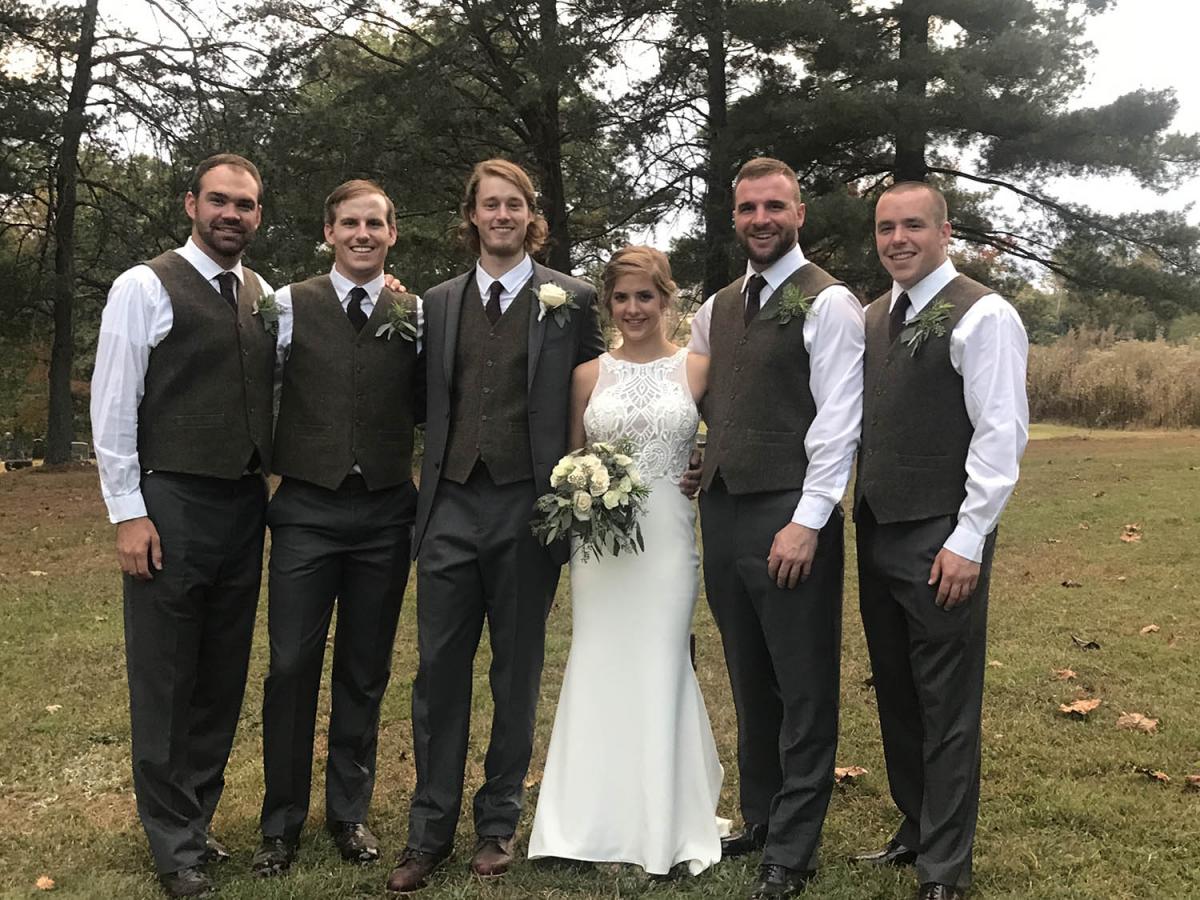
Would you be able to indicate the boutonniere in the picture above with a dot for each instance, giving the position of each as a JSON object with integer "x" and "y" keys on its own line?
{"x": 401, "y": 319}
{"x": 930, "y": 321}
{"x": 556, "y": 301}
{"x": 267, "y": 310}
{"x": 792, "y": 303}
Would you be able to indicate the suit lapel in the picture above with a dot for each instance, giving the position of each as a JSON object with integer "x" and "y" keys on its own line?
{"x": 453, "y": 311}
{"x": 537, "y": 329}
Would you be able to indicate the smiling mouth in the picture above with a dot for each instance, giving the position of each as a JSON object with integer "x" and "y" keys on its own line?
{"x": 902, "y": 255}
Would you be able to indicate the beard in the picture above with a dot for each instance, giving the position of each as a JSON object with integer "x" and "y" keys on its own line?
{"x": 223, "y": 238}
{"x": 784, "y": 241}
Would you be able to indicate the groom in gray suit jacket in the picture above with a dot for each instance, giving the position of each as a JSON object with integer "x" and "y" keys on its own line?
{"x": 501, "y": 343}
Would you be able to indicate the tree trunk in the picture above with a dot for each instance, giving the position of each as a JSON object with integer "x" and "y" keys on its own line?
{"x": 60, "y": 428}
{"x": 554, "y": 200}
{"x": 911, "y": 134}
{"x": 718, "y": 191}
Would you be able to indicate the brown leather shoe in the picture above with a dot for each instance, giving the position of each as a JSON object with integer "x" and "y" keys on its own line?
{"x": 413, "y": 868}
{"x": 214, "y": 850}
{"x": 354, "y": 841}
{"x": 493, "y": 856}
{"x": 190, "y": 882}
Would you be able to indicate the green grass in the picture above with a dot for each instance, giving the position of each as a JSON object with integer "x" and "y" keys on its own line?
{"x": 1063, "y": 814}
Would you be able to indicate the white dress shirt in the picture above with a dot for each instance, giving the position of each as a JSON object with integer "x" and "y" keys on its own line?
{"x": 834, "y": 336}
{"x": 136, "y": 318}
{"x": 988, "y": 348}
{"x": 513, "y": 280}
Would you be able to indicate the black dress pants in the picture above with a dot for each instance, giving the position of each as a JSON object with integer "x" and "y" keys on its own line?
{"x": 187, "y": 648}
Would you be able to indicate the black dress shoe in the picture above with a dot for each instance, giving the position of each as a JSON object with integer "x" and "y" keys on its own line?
{"x": 190, "y": 882}
{"x": 274, "y": 856}
{"x": 894, "y": 854}
{"x": 214, "y": 850}
{"x": 354, "y": 841}
{"x": 931, "y": 890}
{"x": 750, "y": 839}
{"x": 779, "y": 881}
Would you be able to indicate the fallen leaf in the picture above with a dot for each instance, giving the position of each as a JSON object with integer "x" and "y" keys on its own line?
{"x": 1064, "y": 674}
{"x": 1085, "y": 644}
{"x": 1053, "y": 541}
{"x": 996, "y": 664}
{"x": 1191, "y": 783}
{"x": 53, "y": 707}
{"x": 1084, "y": 526}
{"x": 1072, "y": 583}
{"x": 1137, "y": 722}
{"x": 846, "y": 774}
{"x": 1079, "y": 708}
{"x": 532, "y": 780}
{"x": 37, "y": 572}
{"x": 1121, "y": 578}
{"x": 1153, "y": 774}
{"x": 44, "y": 883}
{"x": 1098, "y": 494}
{"x": 1149, "y": 629}
{"x": 1131, "y": 533}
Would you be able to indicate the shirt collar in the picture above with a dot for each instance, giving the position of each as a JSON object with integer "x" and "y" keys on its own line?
{"x": 779, "y": 271}
{"x": 205, "y": 264}
{"x": 343, "y": 285}
{"x": 512, "y": 279}
{"x": 927, "y": 288}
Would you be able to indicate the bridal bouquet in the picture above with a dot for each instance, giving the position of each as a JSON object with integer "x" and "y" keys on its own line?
{"x": 597, "y": 497}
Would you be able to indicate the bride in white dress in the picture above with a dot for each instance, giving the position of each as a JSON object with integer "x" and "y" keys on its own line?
{"x": 632, "y": 773}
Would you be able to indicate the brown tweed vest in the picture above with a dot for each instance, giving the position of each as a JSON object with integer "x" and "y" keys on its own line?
{"x": 490, "y": 403}
{"x": 759, "y": 406}
{"x": 916, "y": 432}
{"x": 206, "y": 409}
{"x": 347, "y": 396}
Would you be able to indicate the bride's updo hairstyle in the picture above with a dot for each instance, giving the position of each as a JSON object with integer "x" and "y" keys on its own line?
{"x": 638, "y": 260}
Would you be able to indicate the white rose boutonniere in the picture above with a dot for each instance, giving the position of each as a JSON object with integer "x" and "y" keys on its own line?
{"x": 555, "y": 300}
{"x": 267, "y": 310}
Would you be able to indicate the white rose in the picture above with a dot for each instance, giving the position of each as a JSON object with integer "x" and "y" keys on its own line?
{"x": 578, "y": 477}
{"x": 634, "y": 477}
{"x": 583, "y": 505}
{"x": 622, "y": 460}
{"x": 551, "y": 296}
{"x": 590, "y": 461}
{"x": 612, "y": 499}
{"x": 599, "y": 481}
{"x": 625, "y": 485}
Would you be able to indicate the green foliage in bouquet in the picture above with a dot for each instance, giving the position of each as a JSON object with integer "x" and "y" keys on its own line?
{"x": 597, "y": 497}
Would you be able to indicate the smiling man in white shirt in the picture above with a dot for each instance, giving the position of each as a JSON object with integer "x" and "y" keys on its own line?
{"x": 181, "y": 421}
{"x": 783, "y": 410}
{"x": 945, "y": 421}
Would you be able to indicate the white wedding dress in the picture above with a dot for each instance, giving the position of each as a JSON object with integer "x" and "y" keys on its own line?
{"x": 632, "y": 773}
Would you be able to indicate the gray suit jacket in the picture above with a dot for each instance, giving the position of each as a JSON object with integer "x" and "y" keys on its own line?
{"x": 554, "y": 353}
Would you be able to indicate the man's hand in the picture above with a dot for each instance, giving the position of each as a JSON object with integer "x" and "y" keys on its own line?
{"x": 792, "y": 552}
{"x": 138, "y": 548}
{"x": 689, "y": 484}
{"x": 955, "y": 576}
{"x": 394, "y": 284}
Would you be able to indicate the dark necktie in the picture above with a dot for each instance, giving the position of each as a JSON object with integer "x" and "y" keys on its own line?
{"x": 354, "y": 310}
{"x": 493, "y": 304}
{"x": 753, "y": 293}
{"x": 896, "y": 321}
{"x": 225, "y": 281}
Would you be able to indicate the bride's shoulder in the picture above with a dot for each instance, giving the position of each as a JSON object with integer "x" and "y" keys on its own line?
{"x": 586, "y": 373}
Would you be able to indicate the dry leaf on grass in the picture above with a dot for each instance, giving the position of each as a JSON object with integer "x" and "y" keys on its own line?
{"x": 1072, "y": 583}
{"x": 1064, "y": 674}
{"x": 37, "y": 572}
{"x": 1191, "y": 783}
{"x": 996, "y": 664}
{"x": 532, "y": 780}
{"x": 1084, "y": 644}
{"x": 1084, "y": 526}
{"x": 1153, "y": 774}
{"x": 846, "y": 774}
{"x": 1053, "y": 541}
{"x": 1149, "y": 629}
{"x": 53, "y": 707}
{"x": 1079, "y": 708}
{"x": 44, "y": 883}
{"x": 1137, "y": 722}
{"x": 1098, "y": 494}
{"x": 1131, "y": 533}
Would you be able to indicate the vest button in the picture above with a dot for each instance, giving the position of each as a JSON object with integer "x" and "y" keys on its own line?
{"x": 490, "y": 364}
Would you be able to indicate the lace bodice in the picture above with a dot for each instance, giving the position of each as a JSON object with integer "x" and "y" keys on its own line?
{"x": 650, "y": 403}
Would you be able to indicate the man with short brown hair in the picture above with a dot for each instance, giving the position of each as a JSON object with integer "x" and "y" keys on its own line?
{"x": 499, "y": 373}
{"x": 350, "y": 392}
{"x": 945, "y": 421}
{"x": 181, "y": 419}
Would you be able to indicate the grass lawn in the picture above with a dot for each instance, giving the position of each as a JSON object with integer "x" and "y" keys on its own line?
{"x": 1065, "y": 813}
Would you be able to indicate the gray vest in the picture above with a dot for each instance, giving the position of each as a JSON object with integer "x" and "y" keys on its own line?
{"x": 206, "y": 409}
{"x": 759, "y": 406}
{"x": 916, "y": 432}
{"x": 347, "y": 397}
{"x": 489, "y": 417}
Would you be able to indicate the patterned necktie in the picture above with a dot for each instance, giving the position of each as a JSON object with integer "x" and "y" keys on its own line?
{"x": 493, "y": 304}
{"x": 225, "y": 281}
{"x": 753, "y": 293}
{"x": 354, "y": 310}
{"x": 896, "y": 321}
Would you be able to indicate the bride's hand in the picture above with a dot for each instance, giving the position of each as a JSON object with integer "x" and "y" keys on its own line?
{"x": 689, "y": 484}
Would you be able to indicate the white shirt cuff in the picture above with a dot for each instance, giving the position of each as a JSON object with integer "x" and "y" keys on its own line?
{"x": 813, "y": 511}
{"x": 127, "y": 506}
{"x": 966, "y": 543}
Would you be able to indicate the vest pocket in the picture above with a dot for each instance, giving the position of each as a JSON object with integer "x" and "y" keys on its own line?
{"x": 312, "y": 429}
{"x": 213, "y": 420}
